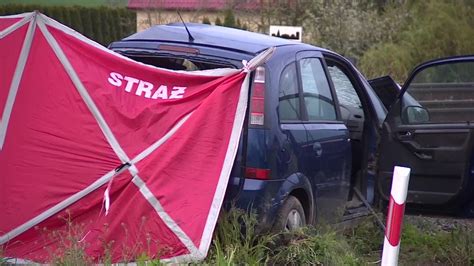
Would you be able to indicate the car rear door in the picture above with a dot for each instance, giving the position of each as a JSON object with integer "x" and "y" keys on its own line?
{"x": 430, "y": 130}
{"x": 327, "y": 157}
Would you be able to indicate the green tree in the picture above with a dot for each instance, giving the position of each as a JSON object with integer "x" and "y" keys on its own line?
{"x": 96, "y": 20}
{"x": 67, "y": 18}
{"x": 102, "y": 24}
{"x": 218, "y": 22}
{"x": 229, "y": 19}
{"x": 205, "y": 20}
{"x": 291, "y": 13}
{"x": 76, "y": 20}
{"x": 434, "y": 29}
{"x": 386, "y": 59}
{"x": 352, "y": 27}
{"x": 87, "y": 22}
{"x": 131, "y": 23}
{"x": 114, "y": 24}
{"x": 105, "y": 23}
{"x": 57, "y": 13}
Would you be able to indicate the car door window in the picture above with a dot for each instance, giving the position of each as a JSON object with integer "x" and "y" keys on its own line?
{"x": 345, "y": 91}
{"x": 316, "y": 92}
{"x": 440, "y": 94}
{"x": 289, "y": 102}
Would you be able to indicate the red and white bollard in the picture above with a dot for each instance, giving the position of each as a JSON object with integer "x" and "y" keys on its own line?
{"x": 396, "y": 209}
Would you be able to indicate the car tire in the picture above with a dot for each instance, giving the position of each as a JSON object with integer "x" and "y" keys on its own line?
{"x": 467, "y": 211}
{"x": 290, "y": 217}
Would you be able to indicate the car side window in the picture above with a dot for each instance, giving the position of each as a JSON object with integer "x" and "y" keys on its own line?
{"x": 289, "y": 102}
{"x": 441, "y": 93}
{"x": 345, "y": 91}
{"x": 316, "y": 92}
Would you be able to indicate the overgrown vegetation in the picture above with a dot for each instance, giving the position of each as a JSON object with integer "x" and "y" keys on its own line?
{"x": 312, "y": 246}
{"x": 70, "y": 249}
{"x": 421, "y": 245}
{"x": 383, "y": 36}
{"x": 88, "y": 3}
{"x": 101, "y": 24}
{"x": 424, "y": 242}
{"x": 432, "y": 29}
{"x": 387, "y": 37}
{"x": 236, "y": 242}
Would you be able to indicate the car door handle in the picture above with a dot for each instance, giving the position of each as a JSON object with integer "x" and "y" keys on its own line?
{"x": 423, "y": 155}
{"x": 418, "y": 151}
{"x": 405, "y": 135}
{"x": 318, "y": 149}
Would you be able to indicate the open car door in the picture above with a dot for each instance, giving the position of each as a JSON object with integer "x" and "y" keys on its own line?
{"x": 430, "y": 129}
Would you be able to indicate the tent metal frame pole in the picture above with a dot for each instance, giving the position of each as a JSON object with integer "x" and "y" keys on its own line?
{"x": 4, "y": 33}
{"x": 170, "y": 223}
{"x": 83, "y": 92}
{"x": 147, "y": 194}
{"x": 20, "y": 67}
{"x": 38, "y": 20}
{"x": 56, "y": 208}
{"x": 142, "y": 155}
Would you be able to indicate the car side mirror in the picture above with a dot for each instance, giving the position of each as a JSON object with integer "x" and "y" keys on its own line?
{"x": 415, "y": 115}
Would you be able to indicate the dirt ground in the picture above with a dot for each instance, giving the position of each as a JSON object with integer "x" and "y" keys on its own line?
{"x": 440, "y": 223}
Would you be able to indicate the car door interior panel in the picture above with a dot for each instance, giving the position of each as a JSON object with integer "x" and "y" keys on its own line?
{"x": 429, "y": 129}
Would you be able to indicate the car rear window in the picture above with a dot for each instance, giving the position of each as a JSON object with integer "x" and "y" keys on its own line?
{"x": 178, "y": 63}
{"x": 289, "y": 107}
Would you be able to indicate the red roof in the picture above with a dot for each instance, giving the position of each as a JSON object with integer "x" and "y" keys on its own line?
{"x": 192, "y": 4}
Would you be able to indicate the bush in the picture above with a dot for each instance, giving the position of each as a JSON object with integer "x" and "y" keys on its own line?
{"x": 218, "y": 22}
{"x": 236, "y": 242}
{"x": 312, "y": 247}
{"x": 433, "y": 29}
{"x": 421, "y": 246}
{"x": 229, "y": 19}
{"x": 205, "y": 20}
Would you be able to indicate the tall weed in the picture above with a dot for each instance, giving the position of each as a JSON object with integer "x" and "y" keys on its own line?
{"x": 309, "y": 246}
{"x": 236, "y": 242}
{"x": 454, "y": 247}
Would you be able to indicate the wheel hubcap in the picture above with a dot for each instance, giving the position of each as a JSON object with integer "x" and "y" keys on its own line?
{"x": 293, "y": 221}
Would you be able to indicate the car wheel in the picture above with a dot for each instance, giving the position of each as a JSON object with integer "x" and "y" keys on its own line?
{"x": 291, "y": 216}
{"x": 468, "y": 210}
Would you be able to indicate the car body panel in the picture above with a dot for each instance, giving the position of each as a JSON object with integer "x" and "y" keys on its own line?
{"x": 283, "y": 149}
{"x": 311, "y": 160}
{"x": 210, "y": 36}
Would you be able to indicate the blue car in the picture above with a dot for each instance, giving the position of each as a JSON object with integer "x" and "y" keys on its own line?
{"x": 313, "y": 126}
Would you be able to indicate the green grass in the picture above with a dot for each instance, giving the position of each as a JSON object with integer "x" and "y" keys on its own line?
{"x": 366, "y": 239}
{"x": 86, "y": 3}
{"x": 422, "y": 243}
{"x": 236, "y": 242}
{"x": 420, "y": 246}
{"x": 314, "y": 247}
